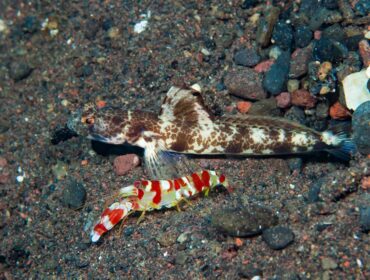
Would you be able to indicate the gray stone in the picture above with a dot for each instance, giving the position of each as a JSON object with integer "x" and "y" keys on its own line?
{"x": 328, "y": 263}
{"x": 247, "y": 57}
{"x": 246, "y": 221}
{"x": 365, "y": 218}
{"x": 276, "y": 78}
{"x": 278, "y": 238}
{"x": 361, "y": 128}
{"x": 245, "y": 83}
{"x": 19, "y": 70}
{"x": 74, "y": 195}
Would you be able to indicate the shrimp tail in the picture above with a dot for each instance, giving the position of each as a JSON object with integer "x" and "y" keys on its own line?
{"x": 110, "y": 217}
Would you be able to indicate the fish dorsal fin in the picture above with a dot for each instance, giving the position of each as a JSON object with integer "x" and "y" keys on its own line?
{"x": 185, "y": 105}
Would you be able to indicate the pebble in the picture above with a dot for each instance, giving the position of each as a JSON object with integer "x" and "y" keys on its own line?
{"x": 73, "y": 195}
{"x": 303, "y": 98}
{"x": 59, "y": 170}
{"x": 274, "y": 52}
{"x": 166, "y": 238}
{"x": 296, "y": 114}
{"x": 276, "y": 78}
{"x": 19, "y": 70}
{"x": 299, "y": 62}
{"x": 334, "y": 32}
{"x": 318, "y": 18}
{"x": 3, "y": 162}
{"x": 123, "y": 164}
{"x": 247, "y": 4}
{"x": 303, "y": 36}
{"x": 30, "y": 24}
{"x": 361, "y": 128}
{"x": 283, "y": 100}
{"x": 278, "y": 237}
{"x": 91, "y": 28}
{"x": 355, "y": 89}
{"x": 295, "y": 164}
{"x": 245, "y": 83}
{"x": 338, "y": 112}
{"x": 364, "y": 50}
{"x": 346, "y": 9}
{"x": 246, "y": 221}
{"x": 243, "y": 106}
{"x": 266, "y": 26}
{"x": 329, "y": 50}
{"x": 282, "y": 35}
{"x": 292, "y": 85}
{"x": 264, "y": 66}
{"x": 365, "y": 218}
{"x": 247, "y": 57}
{"x": 322, "y": 110}
{"x": 181, "y": 258}
{"x": 84, "y": 71}
{"x": 249, "y": 271}
{"x": 328, "y": 263}
{"x": 265, "y": 107}
{"x": 362, "y": 7}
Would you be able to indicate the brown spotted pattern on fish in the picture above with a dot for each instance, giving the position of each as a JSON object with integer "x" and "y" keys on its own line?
{"x": 185, "y": 125}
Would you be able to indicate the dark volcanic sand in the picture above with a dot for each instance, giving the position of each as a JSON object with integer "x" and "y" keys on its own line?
{"x": 95, "y": 54}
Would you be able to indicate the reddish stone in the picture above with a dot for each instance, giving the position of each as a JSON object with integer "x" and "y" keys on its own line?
{"x": 299, "y": 62}
{"x": 365, "y": 183}
{"x": 283, "y": 100}
{"x": 317, "y": 35}
{"x": 4, "y": 178}
{"x": 364, "y": 50}
{"x": 3, "y": 162}
{"x": 338, "y": 112}
{"x": 123, "y": 164}
{"x": 243, "y": 106}
{"x": 303, "y": 98}
{"x": 264, "y": 66}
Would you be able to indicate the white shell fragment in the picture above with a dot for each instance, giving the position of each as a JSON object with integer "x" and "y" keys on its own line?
{"x": 355, "y": 88}
{"x": 143, "y": 24}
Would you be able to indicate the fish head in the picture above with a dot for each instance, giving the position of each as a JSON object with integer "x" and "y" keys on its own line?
{"x": 106, "y": 124}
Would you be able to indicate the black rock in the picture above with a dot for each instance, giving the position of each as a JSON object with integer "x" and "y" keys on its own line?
{"x": 296, "y": 114}
{"x": 30, "y": 24}
{"x": 278, "y": 238}
{"x": 362, "y": 7}
{"x": 84, "y": 71}
{"x": 314, "y": 192}
{"x": 276, "y": 78}
{"x": 361, "y": 128}
{"x": 352, "y": 42}
{"x": 91, "y": 28}
{"x": 74, "y": 195}
{"x": 246, "y": 57}
{"x": 210, "y": 44}
{"x": 365, "y": 218}
{"x": 334, "y": 32}
{"x": 249, "y": 271}
{"x": 303, "y": 36}
{"x": 283, "y": 35}
{"x": 329, "y": 50}
{"x": 295, "y": 164}
{"x": 19, "y": 70}
{"x": 62, "y": 134}
{"x": 330, "y": 4}
{"x": 247, "y": 4}
{"x": 107, "y": 24}
{"x": 246, "y": 221}
{"x": 318, "y": 18}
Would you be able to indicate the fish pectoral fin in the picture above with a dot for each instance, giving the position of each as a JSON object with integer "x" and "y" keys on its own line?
{"x": 162, "y": 165}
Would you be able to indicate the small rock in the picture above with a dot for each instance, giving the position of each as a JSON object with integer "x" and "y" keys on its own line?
{"x": 338, "y": 112}
{"x": 346, "y": 9}
{"x": 249, "y": 271}
{"x": 362, "y": 7}
{"x": 295, "y": 164}
{"x": 322, "y": 110}
{"x": 355, "y": 89}
{"x": 181, "y": 258}
{"x": 361, "y": 128}
{"x": 91, "y": 28}
{"x": 283, "y": 100}
{"x": 329, "y": 50}
{"x": 334, "y": 32}
{"x": 74, "y": 195}
{"x": 30, "y": 24}
{"x": 59, "y": 170}
{"x": 247, "y": 4}
{"x": 275, "y": 52}
{"x": 276, "y": 78}
{"x": 266, "y": 26}
{"x": 282, "y": 35}
{"x": 245, "y": 83}
{"x": 247, "y": 57}
{"x": 243, "y": 106}
{"x": 123, "y": 164}
{"x": 328, "y": 263}
{"x": 19, "y": 70}
{"x": 292, "y": 85}
{"x": 183, "y": 237}
{"x": 265, "y": 107}
{"x": 243, "y": 222}
{"x": 84, "y": 71}
{"x": 303, "y": 98}
{"x": 318, "y": 18}
{"x": 364, "y": 50}
{"x": 3, "y": 162}
{"x": 299, "y": 62}
{"x": 303, "y": 36}
{"x": 296, "y": 114}
{"x": 264, "y": 66}
{"x": 4, "y": 177}
{"x": 166, "y": 238}
{"x": 365, "y": 218}
{"x": 278, "y": 238}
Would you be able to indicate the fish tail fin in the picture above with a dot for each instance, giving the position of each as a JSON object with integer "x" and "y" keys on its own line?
{"x": 339, "y": 142}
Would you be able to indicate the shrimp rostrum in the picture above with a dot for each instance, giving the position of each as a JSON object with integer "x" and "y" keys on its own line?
{"x": 151, "y": 195}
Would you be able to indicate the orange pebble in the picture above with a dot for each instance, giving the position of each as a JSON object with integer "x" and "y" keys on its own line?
{"x": 84, "y": 162}
{"x": 243, "y": 106}
{"x": 365, "y": 183}
{"x": 238, "y": 242}
{"x": 338, "y": 112}
{"x": 347, "y": 264}
{"x": 100, "y": 104}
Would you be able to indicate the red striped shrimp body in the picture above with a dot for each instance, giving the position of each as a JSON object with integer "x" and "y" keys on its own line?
{"x": 156, "y": 194}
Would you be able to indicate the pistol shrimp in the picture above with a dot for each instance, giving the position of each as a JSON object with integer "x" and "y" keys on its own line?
{"x": 151, "y": 195}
